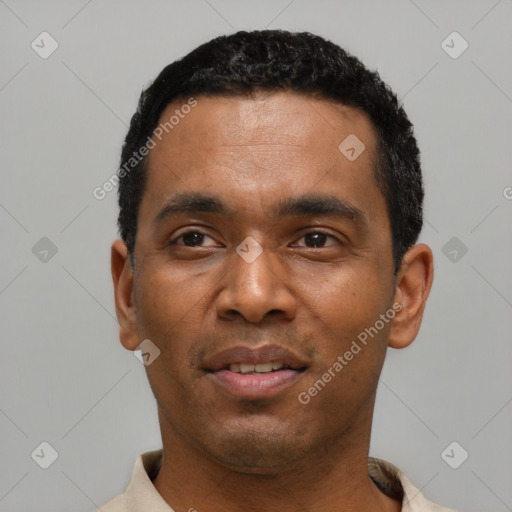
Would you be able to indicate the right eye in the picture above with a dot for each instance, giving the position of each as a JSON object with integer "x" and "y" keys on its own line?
{"x": 193, "y": 239}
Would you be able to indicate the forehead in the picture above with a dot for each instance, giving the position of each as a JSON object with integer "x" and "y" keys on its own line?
{"x": 262, "y": 148}
{"x": 283, "y": 118}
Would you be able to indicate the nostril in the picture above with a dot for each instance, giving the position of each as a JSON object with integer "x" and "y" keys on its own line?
{"x": 233, "y": 312}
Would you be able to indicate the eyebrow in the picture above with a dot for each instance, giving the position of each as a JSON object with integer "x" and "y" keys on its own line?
{"x": 306, "y": 205}
{"x": 319, "y": 205}
{"x": 191, "y": 202}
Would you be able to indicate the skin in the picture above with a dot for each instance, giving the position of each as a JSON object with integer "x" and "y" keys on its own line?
{"x": 223, "y": 453}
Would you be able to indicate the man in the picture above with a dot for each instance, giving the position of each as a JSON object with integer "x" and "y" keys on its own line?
{"x": 270, "y": 200}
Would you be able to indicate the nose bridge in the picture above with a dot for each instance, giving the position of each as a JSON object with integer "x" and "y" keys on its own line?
{"x": 253, "y": 276}
{"x": 254, "y": 286}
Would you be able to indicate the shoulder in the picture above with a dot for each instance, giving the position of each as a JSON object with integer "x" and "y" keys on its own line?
{"x": 117, "y": 504}
{"x": 392, "y": 481}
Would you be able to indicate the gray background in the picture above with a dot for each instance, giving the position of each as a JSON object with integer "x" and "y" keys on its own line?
{"x": 65, "y": 378}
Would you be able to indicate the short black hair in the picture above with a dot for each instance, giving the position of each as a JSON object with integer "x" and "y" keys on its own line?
{"x": 277, "y": 60}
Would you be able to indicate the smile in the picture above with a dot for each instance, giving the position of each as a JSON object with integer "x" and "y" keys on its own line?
{"x": 255, "y": 372}
{"x": 248, "y": 368}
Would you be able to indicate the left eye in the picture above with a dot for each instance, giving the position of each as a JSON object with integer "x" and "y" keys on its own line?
{"x": 317, "y": 239}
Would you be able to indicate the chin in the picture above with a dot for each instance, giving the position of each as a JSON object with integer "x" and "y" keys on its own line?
{"x": 252, "y": 451}
{"x": 254, "y": 461}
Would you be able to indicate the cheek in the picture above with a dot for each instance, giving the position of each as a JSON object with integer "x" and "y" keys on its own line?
{"x": 345, "y": 312}
{"x": 352, "y": 342}
{"x": 170, "y": 312}
{"x": 165, "y": 298}
{"x": 349, "y": 297}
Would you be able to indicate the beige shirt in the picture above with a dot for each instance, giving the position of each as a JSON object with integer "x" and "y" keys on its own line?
{"x": 141, "y": 495}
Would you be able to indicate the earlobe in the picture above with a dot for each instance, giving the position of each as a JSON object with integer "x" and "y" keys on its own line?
{"x": 414, "y": 282}
{"x": 122, "y": 277}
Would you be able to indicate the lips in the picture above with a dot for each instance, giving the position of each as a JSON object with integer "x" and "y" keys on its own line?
{"x": 256, "y": 356}
{"x": 255, "y": 372}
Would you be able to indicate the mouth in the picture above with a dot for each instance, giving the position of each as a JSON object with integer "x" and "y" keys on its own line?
{"x": 255, "y": 373}
{"x": 259, "y": 368}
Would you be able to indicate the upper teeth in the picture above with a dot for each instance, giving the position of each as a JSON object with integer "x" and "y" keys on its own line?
{"x": 260, "y": 367}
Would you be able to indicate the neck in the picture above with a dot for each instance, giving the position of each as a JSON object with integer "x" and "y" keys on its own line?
{"x": 334, "y": 479}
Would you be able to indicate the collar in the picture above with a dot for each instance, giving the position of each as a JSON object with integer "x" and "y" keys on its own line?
{"x": 142, "y": 495}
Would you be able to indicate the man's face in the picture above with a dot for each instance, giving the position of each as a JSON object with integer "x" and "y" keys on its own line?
{"x": 268, "y": 168}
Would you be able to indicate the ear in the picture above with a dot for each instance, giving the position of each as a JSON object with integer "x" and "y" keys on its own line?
{"x": 413, "y": 285}
{"x": 122, "y": 276}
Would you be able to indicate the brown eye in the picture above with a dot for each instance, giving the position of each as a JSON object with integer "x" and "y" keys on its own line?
{"x": 317, "y": 239}
{"x": 194, "y": 239}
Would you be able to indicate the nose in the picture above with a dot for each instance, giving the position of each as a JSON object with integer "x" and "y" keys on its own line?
{"x": 255, "y": 290}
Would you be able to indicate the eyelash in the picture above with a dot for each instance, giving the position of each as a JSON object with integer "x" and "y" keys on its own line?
{"x": 328, "y": 235}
